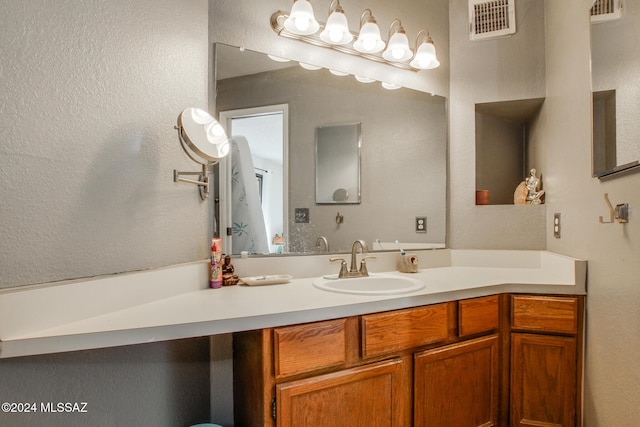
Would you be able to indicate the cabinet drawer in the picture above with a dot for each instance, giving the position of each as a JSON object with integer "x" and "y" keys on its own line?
{"x": 542, "y": 313}
{"x": 309, "y": 347}
{"x": 478, "y": 315}
{"x": 384, "y": 333}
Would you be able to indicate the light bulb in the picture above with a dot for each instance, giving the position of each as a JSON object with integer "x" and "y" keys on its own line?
{"x": 301, "y": 20}
{"x": 369, "y": 44}
{"x": 335, "y": 35}
{"x": 397, "y": 52}
{"x": 302, "y": 23}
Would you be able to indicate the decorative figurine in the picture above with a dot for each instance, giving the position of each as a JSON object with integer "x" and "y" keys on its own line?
{"x": 228, "y": 276}
{"x": 527, "y": 192}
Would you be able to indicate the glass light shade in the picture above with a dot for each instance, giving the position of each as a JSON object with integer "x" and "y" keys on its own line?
{"x": 301, "y": 20}
{"x": 398, "y": 48}
{"x": 363, "y": 79}
{"x": 425, "y": 58}
{"x": 338, "y": 73}
{"x": 369, "y": 40}
{"x": 337, "y": 29}
{"x": 307, "y": 66}
{"x": 390, "y": 86}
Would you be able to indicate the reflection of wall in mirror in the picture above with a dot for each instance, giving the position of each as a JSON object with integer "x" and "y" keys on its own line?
{"x": 615, "y": 56}
{"x": 403, "y": 171}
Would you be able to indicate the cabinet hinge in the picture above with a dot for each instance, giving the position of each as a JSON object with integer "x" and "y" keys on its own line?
{"x": 229, "y": 231}
{"x": 273, "y": 409}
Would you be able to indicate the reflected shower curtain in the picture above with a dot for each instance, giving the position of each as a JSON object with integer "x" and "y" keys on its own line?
{"x": 249, "y": 230}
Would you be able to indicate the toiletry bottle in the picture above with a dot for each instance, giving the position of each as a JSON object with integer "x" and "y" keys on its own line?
{"x": 215, "y": 273}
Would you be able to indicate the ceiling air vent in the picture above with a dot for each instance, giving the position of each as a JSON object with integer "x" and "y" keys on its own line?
{"x": 491, "y": 19}
{"x": 605, "y": 10}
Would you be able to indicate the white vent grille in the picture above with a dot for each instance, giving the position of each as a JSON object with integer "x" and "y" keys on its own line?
{"x": 606, "y": 10}
{"x": 490, "y": 19}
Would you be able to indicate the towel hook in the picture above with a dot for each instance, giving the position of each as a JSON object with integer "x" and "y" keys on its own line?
{"x": 611, "y": 211}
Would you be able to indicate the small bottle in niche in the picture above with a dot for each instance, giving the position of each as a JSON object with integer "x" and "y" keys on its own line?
{"x": 215, "y": 272}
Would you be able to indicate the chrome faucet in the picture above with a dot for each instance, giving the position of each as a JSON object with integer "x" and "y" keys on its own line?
{"x": 353, "y": 271}
{"x": 322, "y": 241}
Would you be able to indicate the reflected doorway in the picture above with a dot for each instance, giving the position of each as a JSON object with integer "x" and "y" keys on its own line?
{"x": 261, "y": 135}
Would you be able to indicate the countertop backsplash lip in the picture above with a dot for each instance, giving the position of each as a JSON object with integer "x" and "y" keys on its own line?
{"x": 175, "y": 302}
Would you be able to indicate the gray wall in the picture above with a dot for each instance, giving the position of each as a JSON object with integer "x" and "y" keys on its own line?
{"x": 404, "y": 145}
{"x": 612, "y": 366}
{"x": 159, "y": 384}
{"x": 90, "y": 94}
{"x": 504, "y": 69}
{"x": 500, "y": 149}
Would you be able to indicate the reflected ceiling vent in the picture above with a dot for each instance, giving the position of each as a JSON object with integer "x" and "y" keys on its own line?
{"x": 491, "y": 19}
{"x": 605, "y": 10}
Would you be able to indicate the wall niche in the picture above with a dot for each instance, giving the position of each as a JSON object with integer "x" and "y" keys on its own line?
{"x": 503, "y": 147}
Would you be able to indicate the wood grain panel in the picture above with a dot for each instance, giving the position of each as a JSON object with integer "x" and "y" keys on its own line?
{"x": 543, "y": 380}
{"x": 309, "y": 347}
{"x": 458, "y": 385}
{"x": 544, "y": 313}
{"x": 370, "y": 395}
{"x": 384, "y": 333}
{"x": 478, "y": 315}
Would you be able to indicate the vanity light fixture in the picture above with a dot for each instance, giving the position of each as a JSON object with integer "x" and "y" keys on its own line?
{"x": 398, "y": 49}
{"x": 425, "y": 58}
{"x": 368, "y": 45}
{"x": 204, "y": 141}
{"x": 369, "y": 39}
{"x": 336, "y": 31}
{"x": 301, "y": 20}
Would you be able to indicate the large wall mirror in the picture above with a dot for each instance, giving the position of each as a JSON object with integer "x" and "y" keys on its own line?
{"x": 403, "y": 157}
{"x": 615, "y": 57}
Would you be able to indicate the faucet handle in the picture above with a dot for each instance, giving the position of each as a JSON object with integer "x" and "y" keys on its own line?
{"x": 363, "y": 265}
{"x": 343, "y": 267}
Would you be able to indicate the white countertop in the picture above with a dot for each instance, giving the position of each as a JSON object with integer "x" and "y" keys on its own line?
{"x": 175, "y": 302}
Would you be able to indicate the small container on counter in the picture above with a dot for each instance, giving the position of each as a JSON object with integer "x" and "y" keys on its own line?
{"x": 215, "y": 272}
{"x": 407, "y": 263}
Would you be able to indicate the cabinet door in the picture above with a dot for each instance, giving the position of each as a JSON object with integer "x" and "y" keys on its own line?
{"x": 457, "y": 385}
{"x": 543, "y": 380}
{"x": 366, "y": 396}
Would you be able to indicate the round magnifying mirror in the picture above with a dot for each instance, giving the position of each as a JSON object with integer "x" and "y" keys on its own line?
{"x": 203, "y": 134}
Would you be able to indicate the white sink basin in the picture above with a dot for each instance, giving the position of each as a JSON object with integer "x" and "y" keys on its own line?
{"x": 374, "y": 284}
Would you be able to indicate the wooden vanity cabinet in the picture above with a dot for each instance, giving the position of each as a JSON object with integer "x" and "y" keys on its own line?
{"x": 546, "y": 362}
{"x": 459, "y": 384}
{"x": 488, "y": 361}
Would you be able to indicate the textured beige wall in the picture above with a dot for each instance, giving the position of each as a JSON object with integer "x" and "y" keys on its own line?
{"x": 90, "y": 94}
{"x": 612, "y": 369}
{"x": 504, "y": 69}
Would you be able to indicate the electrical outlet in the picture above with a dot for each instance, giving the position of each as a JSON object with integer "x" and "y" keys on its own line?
{"x": 556, "y": 225}
{"x": 421, "y": 224}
